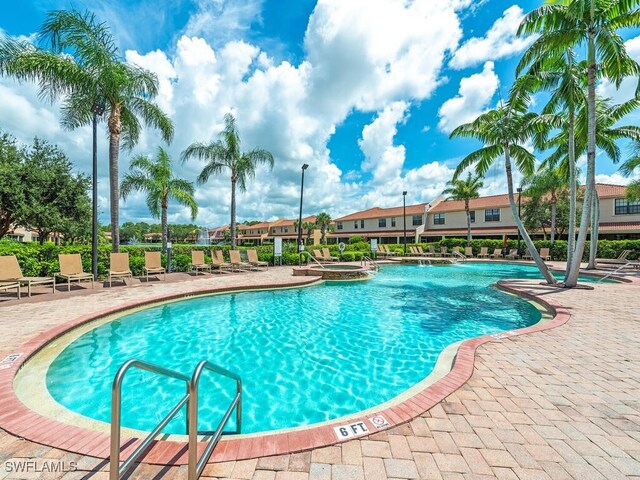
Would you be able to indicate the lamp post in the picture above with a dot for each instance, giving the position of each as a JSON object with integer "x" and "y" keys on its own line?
{"x": 404, "y": 220}
{"x": 97, "y": 109}
{"x": 519, "y": 189}
{"x": 300, "y": 245}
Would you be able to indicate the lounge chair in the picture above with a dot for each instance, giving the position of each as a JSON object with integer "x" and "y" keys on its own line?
{"x": 468, "y": 252}
{"x": 153, "y": 265}
{"x": 513, "y": 254}
{"x": 10, "y": 286}
{"x": 527, "y": 255}
{"x": 484, "y": 252}
{"x": 238, "y": 263}
{"x": 217, "y": 261}
{"x": 444, "y": 252}
{"x": 11, "y": 272}
{"x": 621, "y": 260}
{"x": 544, "y": 253}
{"x": 327, "y": 255}
{"x": 432, "y": 251}
{"x": 497, "y": 253}
{"x": 422, "y": 252}
{"x": 198, "y": 263}
{"x": 382, "y": 251}
{"x": 252, "y": 258}
{"x": 119, "y": 267}
{"x": 71, "y": 269}
{"x": 413, "y": 251}
{"x": 455, "y": 250}
{"x": 318, "y": 256}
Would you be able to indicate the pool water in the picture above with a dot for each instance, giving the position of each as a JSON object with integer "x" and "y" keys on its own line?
{"x": 305, "y": 355}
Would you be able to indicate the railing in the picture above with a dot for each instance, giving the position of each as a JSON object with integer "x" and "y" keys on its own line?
{"x": 459, "y": 256}
{"x": 190, "y": 399}
{"x": 613, "y": 272}
{"x": 368, "y": 261}
{"x": 314, "y": 259}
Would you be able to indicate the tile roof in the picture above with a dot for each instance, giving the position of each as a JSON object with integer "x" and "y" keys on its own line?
{"x": 376, "y": 212}
{"x": 285, "y": 222}
{"x": 619, "y": 227}
{"x": 604, "y": 191}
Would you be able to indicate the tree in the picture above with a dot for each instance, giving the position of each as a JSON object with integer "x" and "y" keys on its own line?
{"x": 503, "y": 132}
{"x": 156, "y": 179}
{"x": 84, "y": 66}
{"x": 12, "y": 195}
{"x": 547, "y": 182}
{"x": 225, "y": 153}
{"x": 309, "y": 227}
{"x": 565, "y": 24}
{"x": 55, "y": 200}
{"x": 627, "y": 169}
{"x": 464, "y": 190}
{"x": 323, "y": 220}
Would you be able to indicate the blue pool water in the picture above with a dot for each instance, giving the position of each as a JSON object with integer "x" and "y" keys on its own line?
{"x": 305, "y": 355}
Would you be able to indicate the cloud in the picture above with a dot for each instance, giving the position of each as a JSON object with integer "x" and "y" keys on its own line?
{"x": 377, "y": 56}
{"x": 607, "y": 89}
{"x": 500, "y": 41}
{"x": 473, "y": 97}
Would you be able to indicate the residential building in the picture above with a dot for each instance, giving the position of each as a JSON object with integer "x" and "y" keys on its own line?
{"x": 386, "y": 225}
{"x": 491, "y": 217}
{"x": 21, "y": 234}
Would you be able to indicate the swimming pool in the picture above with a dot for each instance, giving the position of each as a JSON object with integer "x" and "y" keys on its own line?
{"x": 305, "y": 355}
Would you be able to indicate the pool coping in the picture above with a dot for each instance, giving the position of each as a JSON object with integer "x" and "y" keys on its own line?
{"x": 21, "y": 421}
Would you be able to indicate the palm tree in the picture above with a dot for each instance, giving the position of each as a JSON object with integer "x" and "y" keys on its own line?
{"x": 566, "y": 80}
{"x": 85, "y": 67}
{"x": 502, "y": 132}
{"x": 464, "y": 190}
{"x": 323, "y": 220}
{"x": 547, "y": 181}
{"x": 225, "y": 153}
{"x": 156, "y": 179}
{"x": 565, "y": 24}
{"x": 627, "y": 169}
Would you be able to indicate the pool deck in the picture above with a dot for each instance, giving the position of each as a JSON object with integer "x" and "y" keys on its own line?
{"x": 560, "y": 403}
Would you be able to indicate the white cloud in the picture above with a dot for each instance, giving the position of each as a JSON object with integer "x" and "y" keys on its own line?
{"x": 500, "y": 41}
{"x": 369, "y": 56}
{"x": 607, "y": 89}
{"x": 473, "y": 97}
{"x": 221, "y": 21}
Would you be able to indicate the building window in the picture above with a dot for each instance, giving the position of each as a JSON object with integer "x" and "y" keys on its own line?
{"x": 438, "y": 219}
{"x": 393, "y": 221}
{"x": 286, "y": 229}
{"x": 382, "y": 222}
{"x": 492, "y": 215}
{"x": 472, "y": 216}
{"x": 417, "y": 220}
{"x": 361, "y": 223}
{"x": 624, "y": 207}
{"x": 339, "y": 225}
{"x": 355, "y": 225}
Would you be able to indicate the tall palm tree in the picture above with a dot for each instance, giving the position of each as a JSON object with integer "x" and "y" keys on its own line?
{"x": 549, "y": 182}
{"x": 503, "y": 131}
{"x": 608, "y": 133}
{"x": 156, "y": 179}
{"x": 567, "y": 24}
{"x": 225, "y": 153}
{"x": 464, "y": 190}
{"x": 566, "y": 80}
{"x": 323, "y": 220}
{"x": 84, "y": 67}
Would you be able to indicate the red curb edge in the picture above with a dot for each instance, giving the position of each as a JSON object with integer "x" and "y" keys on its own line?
{"x": 17, "y": 419}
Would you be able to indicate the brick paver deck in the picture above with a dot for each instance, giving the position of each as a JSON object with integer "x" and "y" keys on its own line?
{"x": 563, "y": 403}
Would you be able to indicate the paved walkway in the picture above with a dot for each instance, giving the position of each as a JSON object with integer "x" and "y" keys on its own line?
{"x": 558, "y": 404}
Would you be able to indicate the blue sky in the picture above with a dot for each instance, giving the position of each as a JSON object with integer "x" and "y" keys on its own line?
{"x": 365, "y": 92}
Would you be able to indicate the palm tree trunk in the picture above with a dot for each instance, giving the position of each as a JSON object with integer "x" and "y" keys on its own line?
{"x": 322, "y": 233}
{"x": 571, "y": 243}
{"x": 466, "y": 208}
{"x": 553, "y": 222}
{"x": 595, "y": 230}
{"x": 115, "y": 127}
{"x": 233, "y": 211}
{"x": 551, "y": 280}
{"x": 571, "y": 279}
{"x": 163, "y": 222}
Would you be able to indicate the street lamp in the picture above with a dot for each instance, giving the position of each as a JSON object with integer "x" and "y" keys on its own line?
{"x": 97, "y": 109}
{"x": 300, "y": 245}
{"x": 404, "y": 219}
{"x": 519, "y": 189}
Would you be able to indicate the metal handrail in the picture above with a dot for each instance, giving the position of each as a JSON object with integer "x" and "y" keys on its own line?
{"x": 196, "y": 466}
{"x": 460, "y": 255}
{"x": 314, "y": 259}
{"x": 190, "y": 399}
{"x": 115, "y": 469}
{"x": 365, "y": 259}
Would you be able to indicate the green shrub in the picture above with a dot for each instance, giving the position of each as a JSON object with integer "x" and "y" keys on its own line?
{"x": 348, "y": 256}
{"x": 355, "y": 239}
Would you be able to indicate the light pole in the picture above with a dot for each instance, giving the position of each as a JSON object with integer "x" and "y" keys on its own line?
{"x": 519, "y": 189}
{"x": 97, "y": 109}
{"x": 404, "y": 219}
{"x": 300, "y": 245}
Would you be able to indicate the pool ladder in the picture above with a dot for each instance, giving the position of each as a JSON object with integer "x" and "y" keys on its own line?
{"x": 190, "y": 399}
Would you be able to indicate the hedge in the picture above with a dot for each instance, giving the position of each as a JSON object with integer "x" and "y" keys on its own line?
{"x": 42, "y": 260}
